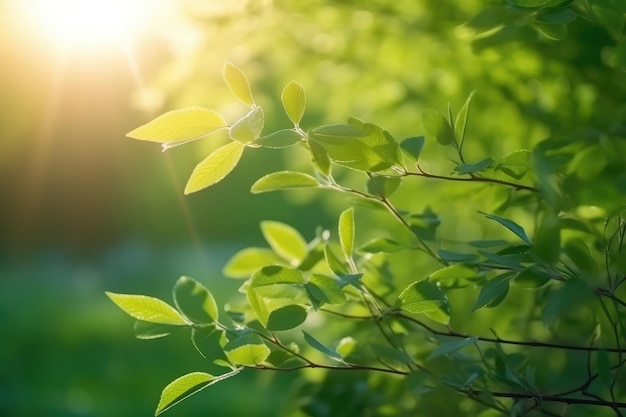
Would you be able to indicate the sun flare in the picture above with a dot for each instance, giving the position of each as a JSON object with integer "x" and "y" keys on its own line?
{"x": 88, "y": 23}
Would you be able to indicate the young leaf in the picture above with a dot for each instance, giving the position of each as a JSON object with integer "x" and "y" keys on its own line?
{"x": 509, "y": 224}
{"x": 515, "y": 164}
{"x": 335, "y": 264}
{"x": 317, "y": 345}
{"x": 346, "y": 346}
{"x": 493, "y": 292}
{"x": 180, "y": 126}
{"x": 275, "y": 274}
{"x": 383, "y": 186}
{"x": 412, "y": 147}
{"x": 346, "y": 231}
{"x": 319, "y": 158}
{"x": 215, "y": 167}
{"x": 286, "y": 318}
{"x": 208, "y": 342}
{"x": 285, "y": 241}
{"x": 438, "y": 126}
{"x": 451, "y": 347}
{"x": 425, "y": 297}
{"x": 186, "y": 386}
{"x": 247, "y": 349}
{"x": 283, "y": 180}
{"x": 604, "y": 368}
{"x": 323, "y": 289}
{"x": 146, "y": 330}
{"x": 238, "y": 83}
{"x": 294, "y": 101}
{"x": 248, "y": 128}
{"x": 280, "y": 139}
{"x": 532, "y": 277}
{"x": 481, "y": 165}
{"x": 249, "y": 260}
{"x": 195, "y": 301}
{"x": 148, "y": 309}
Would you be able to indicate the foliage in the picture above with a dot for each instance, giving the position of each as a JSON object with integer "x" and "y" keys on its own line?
{"x": 550, "y": 271}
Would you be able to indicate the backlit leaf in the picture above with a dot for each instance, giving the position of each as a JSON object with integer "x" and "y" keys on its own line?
{"x": 247, "y": 349}
{"x": 451, "y": 347}
{"x": 425, "y": 297}
{"x": 283, "y": 180}
{"x": 195, "y": 301}
{"x": 509, "y": 224}
{"x": 215, "y": 167}
{"x": 248, "y": 128}
{"x": 238, "y": 83}
{"x": 319, "y": 158}
{"x": 280, "y": 139}
{"x": 317, "y": 345}
{"x": 247, "y": 261}
{"x": 481, "y": 165}
{"x": 150, "y": 309}
{"x": 413, "y": 147}
{"x": 438, "y": 126}
{"x": 346, "y": 231}
{"x": 381, "y": 244}
{"x": 294, "y": 101}
{"x": 180, "y": 126}
{"x": 285, "y": 241}
{"x": 548, "y": 239}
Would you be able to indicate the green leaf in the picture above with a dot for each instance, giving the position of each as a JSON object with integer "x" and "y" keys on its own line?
{"x": 555, "y": 16}
{"x": 148, "y": 309}
{"x": 578, "y": 251}
{"x": 334, "y": 263}
{"x": 195, "y": 301}
{"x": 179, "y": 126}
{"x": 381, "y": 244}
{"x": 280, "y": 139}
{"x": 449, "y": 256}
{"x": 412, "y": 147}
{"x": 604, "y": 368}
{"x": 286, "y": 241}
{"x": 275, "y": 274}
{"x": 248, "y": 128}
{"x": 456, "y": 272}
{"x": 286, "y": 318}
{"x": 515, "y": 164}
{"x": 383, "y": 186}
{"x": 183, "y": 387}
{"x": 294, "y": 101}
{"x": 530, "y": 3}
{"x": 283, "y": 180}
{"x": 423, "y": 297}
{"x": 509, "y": 224}
{"x": 532, "y": 277}
{"x": 548, "y": 239}
{"x": 323, "y": 289}
{"x": 346, "y": 231}
{"x": 146, "y": 330}
{"x": 492, "y": 293}
{"x": 209, "y": 343}
{"x": 489, "y": 18}
{"x": 319, "y": 346}
{"x": 481, "y": 165}
{"x": 451, "y": 347}
{"x": 215, "y": 167}
{"x": 319, "y": 158}
{"x": 425, "y": 225}
{"x": 247, "y": 349}
{"x": 346, "y": 346}
{"x": 247, "y": 261}
{"x": 238, "y": 83}
{"x": 438, "y": 126}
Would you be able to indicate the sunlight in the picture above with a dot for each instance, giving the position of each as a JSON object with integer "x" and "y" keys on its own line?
{"x": 89, "y": 23}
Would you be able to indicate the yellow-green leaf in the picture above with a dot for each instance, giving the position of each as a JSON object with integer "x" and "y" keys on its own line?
{"x": 247, "y": 261}
{"x": 294, "y": 101}
{"x": 150, "y": 309}
{"x": 346, "y": 231}
{"x": 238, "y": 83}
{"x": 283, "y": 180}
{"x": 248, "y": 128}
{"x": 215, "y": 167}
{"x": 247, "y": 349}
{"x": 179, "y": 126}
{"x": 284, "y": 240}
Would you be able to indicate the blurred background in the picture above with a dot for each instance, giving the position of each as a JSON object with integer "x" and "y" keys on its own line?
{"x": 84, "y": 210}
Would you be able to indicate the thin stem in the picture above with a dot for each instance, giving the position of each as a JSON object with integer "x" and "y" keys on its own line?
{"x": 425, "y": 174}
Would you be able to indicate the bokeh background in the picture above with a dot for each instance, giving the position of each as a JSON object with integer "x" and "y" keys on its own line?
{"x": 84, "y": 210}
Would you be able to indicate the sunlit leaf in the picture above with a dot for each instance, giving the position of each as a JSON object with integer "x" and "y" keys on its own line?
{"x": 515, "y": 164}
{"x": 509, "y": 224}
{"x": 180, "y": 126}
{"x": 619, "y": 55}
{"x": 346, "y": 231}
{"x": 383, "y": 186}
{"x": 247, "y": 261}
{"x": 280, "y": 139}
{"x": 294, "y": 101}
{"x": 489, "y": 18}
{"x": 286, "y": 318}
{"x": 317, "y": 345}
{"x": 248, "y": 128}
{"x": 604, "y": 368}
{"x": 284, "y": 240}
{"x": 425, "y": 297}
{"x": 247, "y": 349}
{"x": 438, "y": 126}
{"x": 319, "y": 158}
{"x": 283, "y": 180}
{"x": 215, "y": 167}
{"x": 532, "y": 277}
{"x": 325, "y": 290}
{"x": 183, "y": 387}
{"x": 150, "y": 309}
{"x": 195, "y": 301}
{"x": 334, "y": 262}
{"x": 578, "y": 251}
{"x": 238, "y": 83}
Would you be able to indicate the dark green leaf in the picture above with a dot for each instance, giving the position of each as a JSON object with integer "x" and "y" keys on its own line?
{"x": 438, "y": 126}
{"x": 286, "y": 318}
{"x": 619, "y": 55}
{"x": 578, "y": 251}
{"x": 247, "y": 349}
{"x": 509, "y": 224}
{"x": 493, "y": 292}
{"x": 248, "y": 128}
{"x": 247, "y": 261}
{"x": 489, "y": 18}
{"x": 425, "y": 225}
{"x": 604, "y": 368}
{"x": 553, "y": 15}
{"x": 412, "y": 147}
{"x": 195, "y": 301}
{"x": 150, "y": 309}
{"x": 452, "y": 347}
{"x": 319, "y": 346}
{"x": 285, "y": 241}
